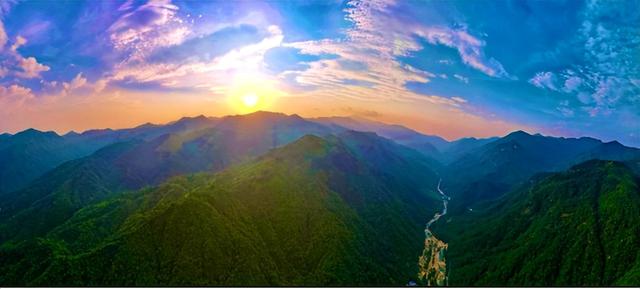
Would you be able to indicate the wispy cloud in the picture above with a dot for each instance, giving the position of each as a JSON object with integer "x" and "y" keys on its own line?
{"x": 374, "y": 43}
{"x": 544, "y": 80}
{"x": 3, "y": 35}
{"x": 439, "y": 60}
{"x": 461, "y": 78}
{"x": 468, "y": 46}
{"x": 211, "y": 75}
{"x": 147, "y": 27}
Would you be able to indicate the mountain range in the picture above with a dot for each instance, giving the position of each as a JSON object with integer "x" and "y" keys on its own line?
{"x": 274, "y": 199}
{"x": 574, "y": 228}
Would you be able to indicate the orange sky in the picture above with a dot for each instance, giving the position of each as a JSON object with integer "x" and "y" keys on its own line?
{"x": 123, "y": 109}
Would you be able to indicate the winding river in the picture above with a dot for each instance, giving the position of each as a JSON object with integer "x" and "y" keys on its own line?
{"x": 432, "y": 263}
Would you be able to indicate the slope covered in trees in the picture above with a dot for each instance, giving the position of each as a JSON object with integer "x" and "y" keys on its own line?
{"x": 578, "y": 228}
{"x": 315, "y": 212}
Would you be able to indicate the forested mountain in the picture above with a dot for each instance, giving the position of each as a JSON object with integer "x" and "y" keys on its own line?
{"x": 426, "y": 144}
{"x": 27, "y": 155}
{"x": 430, "y": 145}
{"x": 274, "y": 199}
{"x": 491, "y": 170}
{"x": 148, "y": 131}
{"x": 332, "y": 211}
{"x": 134, "y": 164}
{"x": 575, "y": 228}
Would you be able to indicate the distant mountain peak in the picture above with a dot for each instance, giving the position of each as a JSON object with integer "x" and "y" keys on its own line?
{"x": 198, "y": 117}
{"x": 29, "y": 131}
{"x": 189, "y": 119}
{"x": 262, "y": 118}
{"x": 305, "y": 146}
{"x": 145, "y": 125}
{"x": 519, "y": 133}
{"x": 264, "y": 113}
{"x": 295, "y": 115}
{"x": 95, "y": 132}
{"x": 614, "y": 143}
{"x": 32, "y": 132}
{"x": 71, "y": 133}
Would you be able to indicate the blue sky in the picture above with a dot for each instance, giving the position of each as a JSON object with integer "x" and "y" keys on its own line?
{"x": 454, "y": 68}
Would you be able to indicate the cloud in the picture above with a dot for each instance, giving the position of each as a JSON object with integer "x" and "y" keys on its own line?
{"x": 78, "y": 86}
{"x": 77, "y": 82}
{"x": 610, "y": 42}
{"x": 564, "y": 109}
{"x": 469, "y": 48}
{"x": 6, "y": 5}
{"x": 14, "y": 62}
{"x": 604, "y": 81}
{"x": 14, "y": 95}
{"x": 376, "y": 40}
{"x": 572, "y": 83}
{"x": 214, "y": 74}
{"x": 459, "y": 99}
{"x": 372, "y": 42}
{"x": 544, "y": 80}
{"x": 30, "y": 67}
{"x": 3, "y": 36}
{"x": 19, "y": 42}
{"x": 147, "y": 27}
{"x": 461, "y": 78}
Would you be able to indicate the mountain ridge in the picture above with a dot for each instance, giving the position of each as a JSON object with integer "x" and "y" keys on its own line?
{"x": 579, "y": 223}
{"x": 313, "y": 185}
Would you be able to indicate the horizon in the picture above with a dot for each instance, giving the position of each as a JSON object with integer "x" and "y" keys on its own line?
{"x": 441, "y": 68}
{"x": 357, "y": 118}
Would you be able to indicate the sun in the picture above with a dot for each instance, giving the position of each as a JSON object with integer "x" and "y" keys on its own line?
{"x": 250, "y": 100}
{"x": 251, "y": 91}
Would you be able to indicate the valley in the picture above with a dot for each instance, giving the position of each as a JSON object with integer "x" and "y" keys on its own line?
{"x": 270, "y": 199}
{"x": 433, "y": 263}
{"x": 319, "y": 143}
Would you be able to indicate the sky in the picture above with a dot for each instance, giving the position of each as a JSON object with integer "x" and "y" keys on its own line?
{"x": 450, "y": 68}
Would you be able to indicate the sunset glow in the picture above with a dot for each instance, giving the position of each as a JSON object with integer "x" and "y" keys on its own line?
{"x": 456, "y": 73}
{"x": 250, "y": 100}
{"x": 319, "y": 143}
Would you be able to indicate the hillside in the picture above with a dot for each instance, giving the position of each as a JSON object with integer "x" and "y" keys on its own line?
{"x": 27, "y": 155}
{"x": 54, "y": 197}
{"x": 30, "y": 153}
{"x": 576, "y": 228}
{"x": 134, "y": 164}
{"x": 426, "y": 144}
{"x": 495, "y": 168}
{"x": 274, "y": 199}
{"x": 314, "y": 212}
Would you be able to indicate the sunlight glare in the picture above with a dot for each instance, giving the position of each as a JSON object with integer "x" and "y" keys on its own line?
{"x": 252, "y": 91}
{"x": 250, "y": 100}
